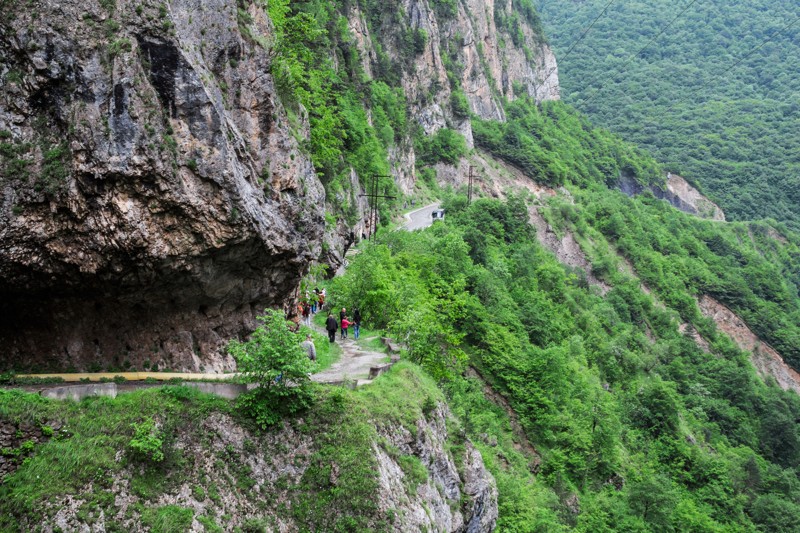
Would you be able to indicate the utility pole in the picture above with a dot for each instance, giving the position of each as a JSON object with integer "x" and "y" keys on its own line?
{"x": 469, "y": 187}
{"x": 373, "y": 197}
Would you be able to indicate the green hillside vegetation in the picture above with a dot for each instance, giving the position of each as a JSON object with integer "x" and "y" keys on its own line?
{"x": 552, "y": 143}
{"x": 134, "y": 437}
{"x": 594, "y": 413}
{"x": 749, "y": 267}
{"x": 651, "y": 432}
{"x": 737, "y": 135}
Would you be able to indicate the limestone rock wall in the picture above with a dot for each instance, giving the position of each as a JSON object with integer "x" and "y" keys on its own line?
{"x": 152, "y": 197}
{"x": 155, "y": 197}
{"x": 467, "y": 51}
{"x": 449, "y": 500}
{"x": 277, "y": 462}
{"x": 679, "y": 193}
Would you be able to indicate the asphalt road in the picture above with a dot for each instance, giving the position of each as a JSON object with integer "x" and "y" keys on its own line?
{"x": 420, "y": 218}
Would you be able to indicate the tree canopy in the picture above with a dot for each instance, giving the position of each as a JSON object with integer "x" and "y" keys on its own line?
{"x": 732, "y": 130}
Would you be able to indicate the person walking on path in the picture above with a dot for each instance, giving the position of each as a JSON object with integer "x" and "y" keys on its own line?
{"x": 308, "y": 345}
{"x": 345, "y": 324}
{"x": 342, "y": 313}
{"x": 331, "y": 326}
{"x": 356, "y": 323}
{"x": 307, "y": 314}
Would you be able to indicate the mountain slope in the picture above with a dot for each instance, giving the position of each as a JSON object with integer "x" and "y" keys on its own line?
{"x": 734, "y": 133}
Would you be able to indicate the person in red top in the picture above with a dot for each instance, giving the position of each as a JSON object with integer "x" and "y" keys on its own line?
{"x": 345, "y": 324}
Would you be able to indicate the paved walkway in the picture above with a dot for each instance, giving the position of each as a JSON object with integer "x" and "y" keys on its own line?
{"x": 420, "y": 218}
{"x": 132, "y": 376}
{"x": 353, "y": 365}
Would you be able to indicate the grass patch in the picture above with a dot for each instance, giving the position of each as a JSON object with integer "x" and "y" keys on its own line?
{"x": 209, "y": 524}
{"x": 402, "y": 395}
{"x": 85, "y": 448}
{"x": 336, "y": 492}
{"x": 168, "y": 519}
{"x": 371, "y": 340}
{"x": 327, "y": 352}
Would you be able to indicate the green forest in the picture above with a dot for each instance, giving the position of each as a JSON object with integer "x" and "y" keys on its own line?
{"x": 733, "y": 130}
{"x": 593, "y": 411}
{"x": 651, "y": 432}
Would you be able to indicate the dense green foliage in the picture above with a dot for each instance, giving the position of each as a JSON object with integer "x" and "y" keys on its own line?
{"x": 273, "y": 359}
{"x": 735, "y": 133}
{"x": 318, "y": 71}
{"x": 750, "y": 268}
{"x": 445, "y": 146}
{"x": 553, "y": 143}
{"x": 650, "y": 431}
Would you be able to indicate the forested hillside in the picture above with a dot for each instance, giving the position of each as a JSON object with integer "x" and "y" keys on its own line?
{"x": 601, "y": 397}
{"x": 734, "y": 130}
{"x": 635, "y": 427}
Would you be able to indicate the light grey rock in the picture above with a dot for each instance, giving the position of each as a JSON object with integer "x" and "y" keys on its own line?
{"x": 79, "y": 392}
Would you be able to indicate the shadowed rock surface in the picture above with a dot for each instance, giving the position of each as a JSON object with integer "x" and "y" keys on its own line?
{"x": 152, "y": 197}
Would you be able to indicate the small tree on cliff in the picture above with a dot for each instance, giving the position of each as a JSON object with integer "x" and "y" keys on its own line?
{"x": 273, "y": 358}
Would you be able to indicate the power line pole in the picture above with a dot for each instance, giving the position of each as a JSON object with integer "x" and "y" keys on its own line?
{"x": 373, "y": 201}
{"x": 469, "y": 187}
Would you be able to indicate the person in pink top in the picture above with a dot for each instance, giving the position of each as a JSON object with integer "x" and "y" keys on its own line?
{"x": 345, "y": 324}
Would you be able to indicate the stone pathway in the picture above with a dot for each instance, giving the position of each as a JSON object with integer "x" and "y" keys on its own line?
{"x": 354, "y": 365}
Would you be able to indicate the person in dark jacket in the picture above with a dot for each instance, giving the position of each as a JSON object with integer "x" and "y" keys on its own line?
{"x": 356, "y": 323}
{"x": 331, "y": 326}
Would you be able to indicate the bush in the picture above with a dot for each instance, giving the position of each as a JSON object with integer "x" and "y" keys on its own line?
{"x": 274, "y": 359}
{"x": 147, "y": 443}
{"x": 446, "y": 146}
{"x": 459, "y": 104}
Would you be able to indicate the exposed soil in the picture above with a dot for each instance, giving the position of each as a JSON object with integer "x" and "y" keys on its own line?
{"x": 766, "y": 359}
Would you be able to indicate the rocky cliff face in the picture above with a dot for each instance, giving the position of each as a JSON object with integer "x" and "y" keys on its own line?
{"x": 464, "y": 50}
{"x": 765, "y": 358}
{"x": 679, "y": 193}
{"x": 274, "y": 464}
{"x": 152, "y": 196}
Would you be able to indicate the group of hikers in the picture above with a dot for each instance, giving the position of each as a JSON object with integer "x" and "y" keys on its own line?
{"x": 314, "y": 303}
{"x": 310, "y": 305}
{"x": 344, "y": 323}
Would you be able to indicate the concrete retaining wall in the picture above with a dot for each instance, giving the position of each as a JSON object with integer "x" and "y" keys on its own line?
{"x": 79, "y": 392}
{"x": 229, "y": 391}
{"x": 376, "y": 371}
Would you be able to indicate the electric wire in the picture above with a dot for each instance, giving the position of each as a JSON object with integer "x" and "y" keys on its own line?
{"x": 642, "y": 49}
{"x": 572, "y": 47}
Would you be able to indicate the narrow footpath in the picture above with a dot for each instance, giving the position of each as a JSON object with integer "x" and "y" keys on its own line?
{"x": 353, "y": 366}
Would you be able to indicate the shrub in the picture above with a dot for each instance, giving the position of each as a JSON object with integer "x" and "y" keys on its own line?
{"x": 147, "y": 443}
{"x": 274, "y": 359}
{"x": 446, "y": 146}
{"x": 459, "y": 104}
